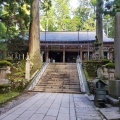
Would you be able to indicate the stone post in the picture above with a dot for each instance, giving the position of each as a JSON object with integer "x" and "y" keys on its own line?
{"x": 114, "y": 85}
{"x": 27, "y": 68}
{"x": 117, "y": 45}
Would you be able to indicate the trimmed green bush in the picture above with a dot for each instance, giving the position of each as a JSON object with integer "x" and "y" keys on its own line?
{"x": 4, "y": 63}
{"x": 105, "y": 61}
{"x": 110, "y": 65}
{"x": 8, "y": 59}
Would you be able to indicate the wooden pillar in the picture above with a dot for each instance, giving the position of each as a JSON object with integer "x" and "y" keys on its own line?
{"x": 63, "y": 55}
{"x": 47, "y": 54}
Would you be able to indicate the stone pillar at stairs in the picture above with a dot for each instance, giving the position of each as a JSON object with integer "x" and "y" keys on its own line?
{"x": 27, "y": 68}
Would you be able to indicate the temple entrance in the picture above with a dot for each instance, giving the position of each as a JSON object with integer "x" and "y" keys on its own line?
{"x": 71, "y": 57}
{"x": 56, "y": 55}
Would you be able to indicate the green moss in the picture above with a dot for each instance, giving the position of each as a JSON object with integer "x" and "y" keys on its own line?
{"x": 8, "y": 96}
{"x": 4, "y": 63}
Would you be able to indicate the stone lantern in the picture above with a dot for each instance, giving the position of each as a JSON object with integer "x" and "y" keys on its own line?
{"x": 96, "y": 46}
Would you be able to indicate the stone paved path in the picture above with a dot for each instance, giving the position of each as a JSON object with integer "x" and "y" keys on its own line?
{"x": 54, "y": 106}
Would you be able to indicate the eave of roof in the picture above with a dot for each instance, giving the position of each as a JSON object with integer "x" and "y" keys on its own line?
{"x": 71, "y": 36}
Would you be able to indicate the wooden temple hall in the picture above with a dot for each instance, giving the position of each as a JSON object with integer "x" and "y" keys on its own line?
{"x": 66, "y": 46}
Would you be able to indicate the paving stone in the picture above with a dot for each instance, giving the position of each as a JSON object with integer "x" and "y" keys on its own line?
{"x": 111, "y": 113}
{"x": 50, "y": 106}
{"x": 55, "y": 106}
{"x": 62, "y": 116}
{"x": 65, "y": 104}
{"x": 52, "y": 112}
{"x": 64, "y": 110}
{"x": 27, "y": 114}
{"x": 73, "y": 118}
{"x": 37, "y": 117}
{"x": 49, "y": 118}
{"x": 19, "y": 111}
{"x": 22, "y": 119}
{"x": 34, "y": 107}
{"x": 10, "y": 117}
{"x": 42, "y": 110}
{"x": 72, "y": 112}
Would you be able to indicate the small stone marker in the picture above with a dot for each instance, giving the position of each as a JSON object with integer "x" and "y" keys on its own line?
{"x": 3, "y": 79}
{"x": 100, "y": 72}
{"x": 112, "y": 74}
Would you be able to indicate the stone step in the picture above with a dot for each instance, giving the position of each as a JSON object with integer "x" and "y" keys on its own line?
{"x": 56, "y": 89}
{"x": 46, "y": 84}
{"x": 59, "y": 91}
{"x": 59, "y": 77}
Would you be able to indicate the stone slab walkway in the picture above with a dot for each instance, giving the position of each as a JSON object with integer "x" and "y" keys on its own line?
{"x": 54, "y": 106}
{"x": 111, "y": 113}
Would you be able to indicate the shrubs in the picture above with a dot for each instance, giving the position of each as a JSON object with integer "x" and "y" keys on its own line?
{"x": 91, "y": 67}
{"x": 4, "y": 88}
{"x": 18, "y": 85}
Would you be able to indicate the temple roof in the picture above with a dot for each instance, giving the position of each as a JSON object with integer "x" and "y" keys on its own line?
{"x": 71, "y": 36}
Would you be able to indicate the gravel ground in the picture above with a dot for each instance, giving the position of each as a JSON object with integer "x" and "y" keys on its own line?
{"x": 18, "y": 100}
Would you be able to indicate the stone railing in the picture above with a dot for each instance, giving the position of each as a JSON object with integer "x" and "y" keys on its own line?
{"x": 83, "y": 83}
{"x": 37, "y": 77}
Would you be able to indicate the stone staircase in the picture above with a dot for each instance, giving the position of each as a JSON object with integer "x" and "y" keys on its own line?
{"x": 59, "y": 77}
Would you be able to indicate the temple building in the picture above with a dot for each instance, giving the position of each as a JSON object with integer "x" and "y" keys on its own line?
{"x": 66, "y": 46}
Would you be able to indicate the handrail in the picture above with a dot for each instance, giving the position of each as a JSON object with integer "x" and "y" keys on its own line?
{"x": 82, "y": 79}
{"x": 37, "y": 77}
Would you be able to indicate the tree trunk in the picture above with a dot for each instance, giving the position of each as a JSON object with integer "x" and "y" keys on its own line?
{"x": 99, "y": 28}
{"x": 34, "y": 37}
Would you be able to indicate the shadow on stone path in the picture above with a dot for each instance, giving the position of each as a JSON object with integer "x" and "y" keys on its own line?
{"x": 54, "y": 106}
